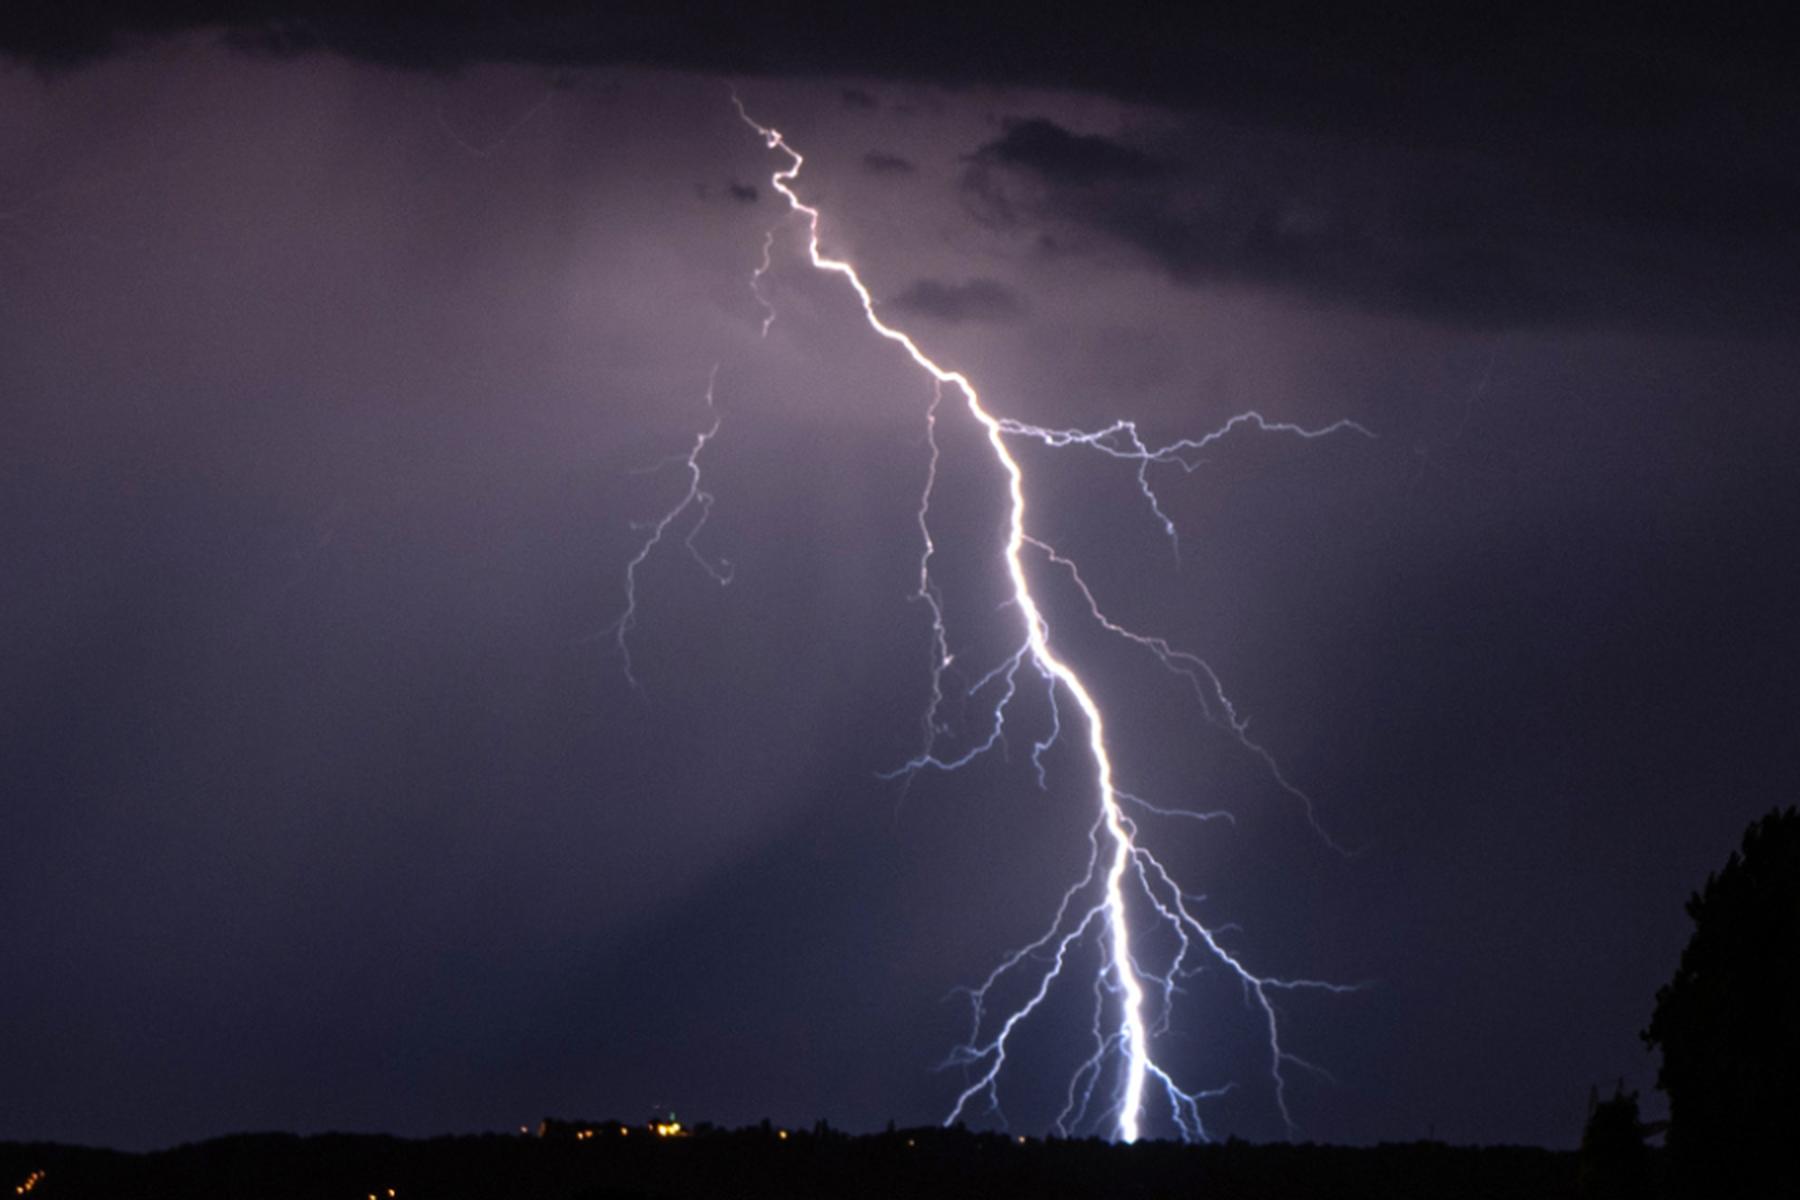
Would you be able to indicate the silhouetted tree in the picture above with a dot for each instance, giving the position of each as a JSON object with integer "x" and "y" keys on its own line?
{"x": 1728, "y": 1023}
{"x": 1615, "y": 1163}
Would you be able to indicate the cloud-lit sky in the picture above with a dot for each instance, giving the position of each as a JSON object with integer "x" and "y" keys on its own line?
{"x": 328, "y": 383}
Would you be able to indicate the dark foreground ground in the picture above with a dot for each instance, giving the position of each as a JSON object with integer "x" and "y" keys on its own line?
{"x": 758, "y": 1162}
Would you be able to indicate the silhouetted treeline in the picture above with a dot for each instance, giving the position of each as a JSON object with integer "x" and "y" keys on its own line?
{"x": 1728, "y": 1023}
{"x": 761, "y": 1162}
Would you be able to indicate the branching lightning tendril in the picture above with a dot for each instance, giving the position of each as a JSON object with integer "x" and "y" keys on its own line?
{"x": 696, "y": 497}
{"x": 1125, "y": 889}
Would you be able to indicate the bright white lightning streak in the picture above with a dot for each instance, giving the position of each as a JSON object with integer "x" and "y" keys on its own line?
{"x": 695, "y": 497}
{"x": 1122, "y": 976}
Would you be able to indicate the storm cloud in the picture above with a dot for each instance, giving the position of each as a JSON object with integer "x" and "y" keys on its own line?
{"x": 1505, "y": 173}
{"x": 1067, "y": 159}
{"x": 971, "y": 300}
{"x": 877, "y": 163}
{"x": 1480, "y": 240}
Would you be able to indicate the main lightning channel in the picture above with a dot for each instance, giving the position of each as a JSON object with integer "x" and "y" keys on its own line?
{"x": 1133, "y": 1033}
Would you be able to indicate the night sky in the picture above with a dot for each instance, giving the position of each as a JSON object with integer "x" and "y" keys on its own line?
{"x": 338, "y": 357}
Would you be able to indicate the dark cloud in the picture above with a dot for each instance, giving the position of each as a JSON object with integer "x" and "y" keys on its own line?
{"x": 1411, "y": 72}
{"x": 973, "y": 300}
{"x": 1566, "y": 171}
{"x": 745, "y": 192}
{"x": 1484, "y": 241}
{"x": 877, "y": 163}
{"x": 1059, "y": 156}
{"x": 857, "y": 98}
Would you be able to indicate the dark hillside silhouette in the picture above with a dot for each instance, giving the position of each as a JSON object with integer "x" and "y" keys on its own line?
{"x": 803, "y": 1164}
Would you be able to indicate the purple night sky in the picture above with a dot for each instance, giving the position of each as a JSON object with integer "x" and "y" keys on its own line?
{"x": 333, "y": 358}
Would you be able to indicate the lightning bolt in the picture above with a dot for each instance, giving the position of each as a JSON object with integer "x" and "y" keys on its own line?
{"x": 1124, "y": 887}
{"x": 1124, "y": 882}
